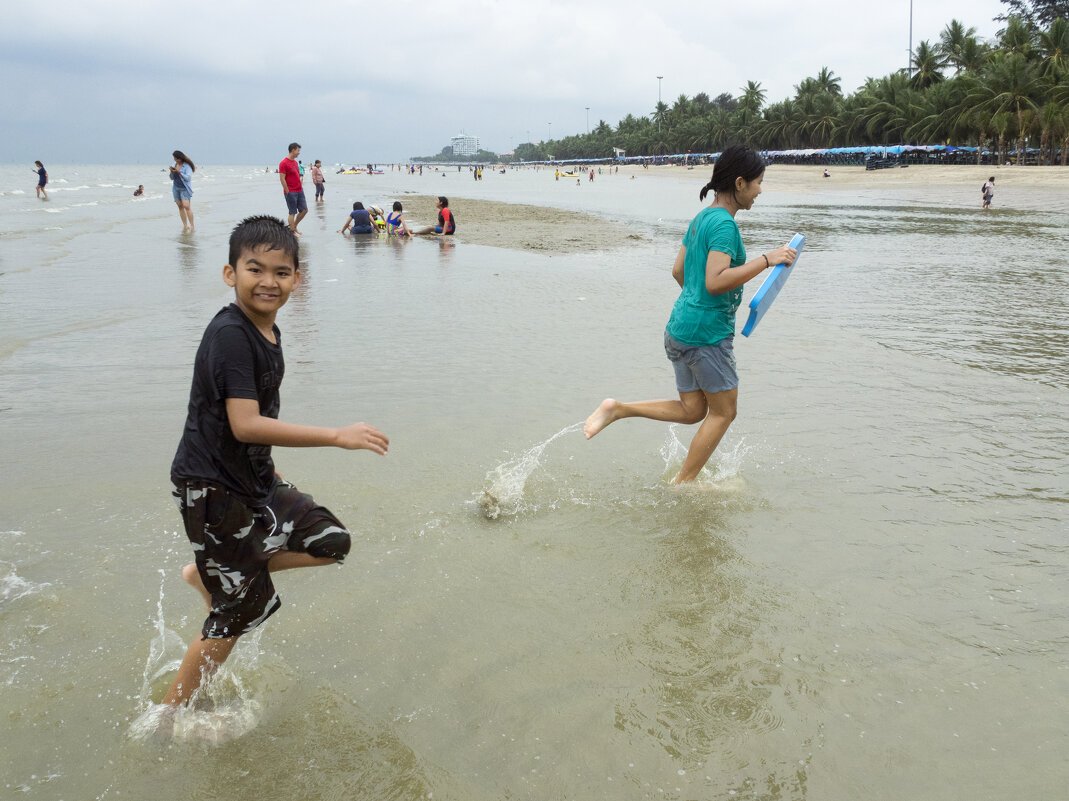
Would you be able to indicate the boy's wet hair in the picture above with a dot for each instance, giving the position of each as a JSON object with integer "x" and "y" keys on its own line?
{"x": 444, "y": 201}
{"x": 264, "y": 231}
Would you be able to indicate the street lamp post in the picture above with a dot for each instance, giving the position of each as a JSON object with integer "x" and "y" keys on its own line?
{"x": 550, "y": 124}
{"x": 588, "y": 119}
{"x": 909, "y": 65}
{"x": 659, "y": 101}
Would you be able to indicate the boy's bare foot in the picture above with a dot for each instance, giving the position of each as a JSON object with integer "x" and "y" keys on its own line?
{"x": 191, "y": 576}
{"x": 602, "y": 416}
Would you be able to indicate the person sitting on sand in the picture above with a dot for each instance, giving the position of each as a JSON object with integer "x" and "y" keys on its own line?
{"x": 359, "y": 219}
{"x": 826, "y": 173}
{"x": 447, "y": 223}
{"x": 395, "y": 222}
{"x": 710, "y": 268}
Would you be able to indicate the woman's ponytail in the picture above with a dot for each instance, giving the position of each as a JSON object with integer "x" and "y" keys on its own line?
{"x": 737, "y": 161}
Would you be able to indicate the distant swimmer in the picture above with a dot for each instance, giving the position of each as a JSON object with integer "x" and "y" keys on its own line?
{"x": 395, "y": 222}
{"x": 987, "y": 192}
{"x": 182, "y": 187}
{"x": 42, "y": 180}
{"x": 140, "y": 190}
{"x": 710, "y": 269}
{"x": 360, "y": 220}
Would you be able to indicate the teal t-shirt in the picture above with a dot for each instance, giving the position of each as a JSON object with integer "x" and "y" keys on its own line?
{"x": 699, "y": 318}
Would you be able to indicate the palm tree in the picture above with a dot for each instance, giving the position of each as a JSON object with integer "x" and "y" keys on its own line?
{"x": 927, "y": 64}
{"x": 781, "y": 126}
{"x": 1053, "y": 46}
{"x": 890, "y": 108}
{"x": 753, "y": 96}
{"x": 1017, "y": 38}
{"x": 952, "y": 44}
{"x": 1010, "y": 86}
{"x": 829, "y": 82}
{"x": 660, "y": 114}
{"x": 973, "y": 55}
{"x": 680, "y": 110}
{"x": 701, "y": 104}
{"x": 1051, "y": 119}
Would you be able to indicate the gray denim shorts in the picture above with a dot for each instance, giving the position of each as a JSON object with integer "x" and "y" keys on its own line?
{"x": 710, "y": 368}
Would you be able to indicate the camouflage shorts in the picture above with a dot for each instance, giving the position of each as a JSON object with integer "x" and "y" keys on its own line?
{"x": 232, "y": 543}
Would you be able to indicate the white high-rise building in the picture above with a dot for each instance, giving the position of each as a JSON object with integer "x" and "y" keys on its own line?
{"x": 465, "y": 145}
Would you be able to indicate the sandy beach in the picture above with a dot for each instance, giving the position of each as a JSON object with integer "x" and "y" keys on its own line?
{"x": 791, "y": 178}
{"x": 539, "y": 229}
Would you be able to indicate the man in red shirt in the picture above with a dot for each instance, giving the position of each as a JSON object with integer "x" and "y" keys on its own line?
{"x": 289, "y": 172}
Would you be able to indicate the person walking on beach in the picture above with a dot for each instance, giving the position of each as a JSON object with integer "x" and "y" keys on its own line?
{"x": 710, "y": 268}
{"x": 318, "y": 180}
{"x": 182, "y": 187}
{"x": 42, "y": 180}
{"x": 987, "y": 191}
{"x": 244, "y": 521}
{"x": 289, "y": 173}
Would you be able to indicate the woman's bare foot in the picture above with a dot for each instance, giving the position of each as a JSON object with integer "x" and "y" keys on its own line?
{"x": 602, "y": 416}
{"x": 191, "y": 576}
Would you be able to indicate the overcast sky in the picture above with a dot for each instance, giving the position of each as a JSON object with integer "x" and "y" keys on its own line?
{"x": 234, "y": 81}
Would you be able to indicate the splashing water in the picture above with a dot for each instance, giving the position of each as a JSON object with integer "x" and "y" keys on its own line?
{"x": 721, "y": 472}
{"x": 221, "y": 709}
{"x": 507, "y": 481}
{"x": 12, "y": 585}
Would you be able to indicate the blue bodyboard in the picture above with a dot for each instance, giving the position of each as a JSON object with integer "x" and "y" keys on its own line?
{"x": 764, "y": 296}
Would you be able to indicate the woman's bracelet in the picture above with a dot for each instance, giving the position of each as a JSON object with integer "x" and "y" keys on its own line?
{"x": 767, "y": 262}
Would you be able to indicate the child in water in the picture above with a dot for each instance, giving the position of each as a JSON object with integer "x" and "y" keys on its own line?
{"x": 395, "y": 222}
{"x": 360, "y": 220}
{"x": 710, "y": 268}
{"x": 244, "y": 521}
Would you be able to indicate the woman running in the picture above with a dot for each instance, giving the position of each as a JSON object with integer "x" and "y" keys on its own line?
{"x": 710, "y": 269}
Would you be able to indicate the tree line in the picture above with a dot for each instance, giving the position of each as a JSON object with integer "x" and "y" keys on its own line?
{"x": 1008, "y": 93}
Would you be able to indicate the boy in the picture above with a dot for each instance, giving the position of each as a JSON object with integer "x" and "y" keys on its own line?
{"x": 243, "y": 520}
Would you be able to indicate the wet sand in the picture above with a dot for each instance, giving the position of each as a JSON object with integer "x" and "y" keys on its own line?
{"x": 540, "y": 229}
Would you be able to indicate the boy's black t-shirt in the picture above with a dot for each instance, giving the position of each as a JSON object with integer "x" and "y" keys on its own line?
{"x": 234, "y": 360}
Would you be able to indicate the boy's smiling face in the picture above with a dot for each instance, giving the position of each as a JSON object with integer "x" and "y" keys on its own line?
{"x": 263, "y": 280}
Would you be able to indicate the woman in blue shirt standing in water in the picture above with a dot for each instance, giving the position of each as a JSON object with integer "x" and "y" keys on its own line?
{"x": 182, "y": 188}
{"x": 710, "y": 269}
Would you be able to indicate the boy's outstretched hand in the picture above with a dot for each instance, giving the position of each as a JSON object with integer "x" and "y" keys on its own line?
{"x": 361, "y": 436}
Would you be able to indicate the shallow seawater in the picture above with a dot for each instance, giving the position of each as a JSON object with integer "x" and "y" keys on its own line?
{"x": 863, "y": 597}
